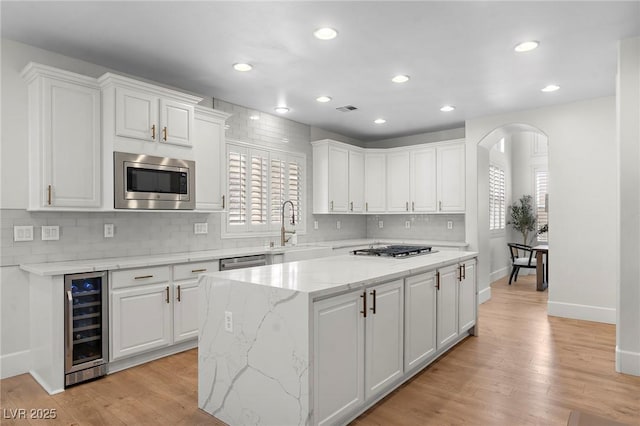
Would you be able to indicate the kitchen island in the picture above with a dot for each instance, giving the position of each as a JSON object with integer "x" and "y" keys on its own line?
{"x": 320, "y": 341}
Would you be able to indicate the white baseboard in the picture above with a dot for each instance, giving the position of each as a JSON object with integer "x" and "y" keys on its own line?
{"x": 500, "y": 273}
{"x": 627, "y": 362}
{"x": 484, "y": 295}
{"x": 14, "y": 364}
{"x": 582, "y": 312}
{"x": 45, "y": 384}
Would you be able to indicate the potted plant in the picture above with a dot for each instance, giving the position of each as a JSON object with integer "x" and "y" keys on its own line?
{"x": 523, "y": 218}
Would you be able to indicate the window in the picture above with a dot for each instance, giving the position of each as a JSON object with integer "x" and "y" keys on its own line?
{"x": 259, "y": 181}
{"x": 542, "y": 200}
{"x": 497, "y": 199}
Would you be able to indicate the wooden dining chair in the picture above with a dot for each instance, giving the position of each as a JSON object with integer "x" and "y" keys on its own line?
{"x": 521, "y": 257}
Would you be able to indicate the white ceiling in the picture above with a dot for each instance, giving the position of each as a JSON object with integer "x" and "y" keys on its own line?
{"x": 458, "y": 53}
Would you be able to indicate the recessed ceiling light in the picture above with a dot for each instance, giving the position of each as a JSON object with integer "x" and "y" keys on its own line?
{"x": 282, "y": 110}
{"x": 526, "y": 46}
{"x": 323, "y": 99}
{"x": 447, "y": 108}
{"x": 400, "y": 79}
{"x": 550, "y": 88}
{"x": 242, "y": 67}
{"x": 379, "y": 121}
{"x": 254, "y": 117}
{"x": 325, "y": 33}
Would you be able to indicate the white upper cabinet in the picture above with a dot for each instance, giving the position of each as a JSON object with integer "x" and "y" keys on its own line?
{"x": 64, "y": 139}
{"x": 423, "y": 180}
{"x": 136, "y": 113}
{"x": 209, "y": 151}
{"x": 451, "y": 178}
{"x": 398, "y": 181}
{"x": 338, "y": 177}
{"x": 356, "y": 181}
{"x": 375, "y": 182}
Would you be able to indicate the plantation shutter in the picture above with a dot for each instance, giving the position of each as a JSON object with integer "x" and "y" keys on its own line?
{"x": 259, "y": 188}
{"x": 277, "y": 188}
{"x": 295, "y": 188}
{"x": 497, "y": 198}
{"x": 542, "y": 198}
{"x": 237, "y": 185}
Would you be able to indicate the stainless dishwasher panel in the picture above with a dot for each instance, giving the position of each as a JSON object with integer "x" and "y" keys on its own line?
{"x": 242, "y": 262}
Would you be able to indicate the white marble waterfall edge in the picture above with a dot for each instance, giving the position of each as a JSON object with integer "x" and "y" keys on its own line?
{"x": 259, "y": 372}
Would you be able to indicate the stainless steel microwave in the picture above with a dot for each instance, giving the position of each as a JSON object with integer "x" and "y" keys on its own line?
{"x": 146, "y": 182}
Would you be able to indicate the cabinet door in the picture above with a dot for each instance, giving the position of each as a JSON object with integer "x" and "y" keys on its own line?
{"x": 338, "y": 357}
{"x": 176, "y": 122}
{"x": 467, "y": 301}
{"x": 208, "y": 146}
{"x": 420, "y": 319}
{"x": 140, "y": 319}
{"x": 384, "y": 337}
{"x": 447, "y": 324}
{"x": 451, "y": 178}
{"x": 356, "y": 181}
{"x": 338, "y": 180}
{"x": 137, "y": 115}
{"x": 71, "y": 157}
{"x": 398, "y": 181}
{"x": 185, "y": 310}
{"x": 423, "y": 180}
{"x": 375, "y": 182}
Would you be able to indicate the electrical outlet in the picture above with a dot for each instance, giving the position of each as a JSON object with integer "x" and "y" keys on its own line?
{"x": 201, "y": 228}
{"x": 338, "y": 225}
{"x": 228, "y": 321}
{"x": 380, "y": 224}
{"x": 407, "y": 224}
{"x": 449, "y": 224}
{"x": 315, "y": 224}
{"x": 23, "y": 233}
{"x": 50, "y": 233}
{"x": 109, "y": 230}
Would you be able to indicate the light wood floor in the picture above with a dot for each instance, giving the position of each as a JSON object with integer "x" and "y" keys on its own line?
{"x": 524, "y": 369}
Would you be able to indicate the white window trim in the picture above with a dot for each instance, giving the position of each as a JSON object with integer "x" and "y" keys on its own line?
{"x": 271, "y": 230}
{"x": 500, "y": 231}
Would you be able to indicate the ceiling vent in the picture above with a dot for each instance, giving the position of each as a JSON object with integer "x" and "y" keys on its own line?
{"x": 346, "y": 108}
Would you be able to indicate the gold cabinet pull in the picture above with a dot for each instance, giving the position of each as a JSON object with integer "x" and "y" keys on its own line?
{"x": 464, "y": 271}
{"x": 332, "y": 206}
{"x": 413, "y": 206}
{"x": 439, "y": 205}
{"x": 352, "y": 206}
{"x": 366, "y": 206}
{"x": 407, "y": 206}
{"x": 178, "y": 293}
{"x": 364, "y": 303}
{"x": 373, "y": 309}
{"x": 49, "y": 195}
{"x": 438, "y": 280}
{"x": 153, "y": 132}
{"x": 223, "y": 202}
{"x": 142, "y": 277}
{"x": 164, "y": 133}
{"x": 167, "y": 298}
{"x": 196, "y": 271}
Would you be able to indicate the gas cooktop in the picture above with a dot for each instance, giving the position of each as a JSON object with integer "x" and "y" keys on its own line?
{"x": 394, "y": 251}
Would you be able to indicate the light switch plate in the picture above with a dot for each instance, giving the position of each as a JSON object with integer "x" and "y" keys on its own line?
{"x": 380, "y": 224}
{"x": 228, "y": 321}
{"x": 201, "y": 228}
{"x": 50, "y": 233}
{"x": 23, "y": 233}
{"x": 338, "y": 225}
{"x": 315, "y": 224}
{"x": 407, "y": 224}
{"x": 449, "y": 224}
{"x": 109, "y": 230}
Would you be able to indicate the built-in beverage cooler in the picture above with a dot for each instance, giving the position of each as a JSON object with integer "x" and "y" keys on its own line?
{"x": 86, "y": 319}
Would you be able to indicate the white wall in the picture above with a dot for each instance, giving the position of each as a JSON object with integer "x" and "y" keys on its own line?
{"x": 628, "y": 330}
{"x": 583, "y": 203}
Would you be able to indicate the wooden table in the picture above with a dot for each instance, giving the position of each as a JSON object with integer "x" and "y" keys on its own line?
{"x": 542, "y": 268}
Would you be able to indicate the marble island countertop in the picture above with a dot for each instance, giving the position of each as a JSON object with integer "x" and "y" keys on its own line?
{"x": 335, "y": 274}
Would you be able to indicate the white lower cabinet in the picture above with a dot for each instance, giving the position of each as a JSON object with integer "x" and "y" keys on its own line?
{"x": 358, "y": 348}
{"x": 467, "y": 299}
{"x": 419, "y": 319}
{"x": 447, "y": 295}
{"x": 140, "y": 319}
{"x": 150, "y": 310}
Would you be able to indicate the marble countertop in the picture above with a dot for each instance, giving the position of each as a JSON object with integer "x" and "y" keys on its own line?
{"x": 331, "y": 275}
{"x": 114, "y": 263}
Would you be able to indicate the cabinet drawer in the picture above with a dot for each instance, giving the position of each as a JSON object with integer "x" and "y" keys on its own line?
{"x": 187, "y": 271}
{"x": 141, "y": 276}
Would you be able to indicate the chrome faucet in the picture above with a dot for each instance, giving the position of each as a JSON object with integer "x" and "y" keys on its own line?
{"x": 284, "y": 232}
